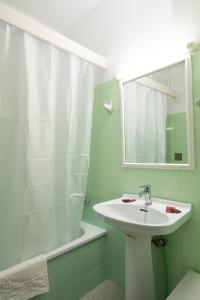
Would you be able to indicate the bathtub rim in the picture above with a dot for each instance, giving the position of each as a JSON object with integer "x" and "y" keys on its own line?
{"x": 91, "y": 232}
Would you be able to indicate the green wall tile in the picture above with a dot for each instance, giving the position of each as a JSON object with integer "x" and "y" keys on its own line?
{"x": 176, "y": 139}
{"x": 108, "y": 179}
{"x": 75, "y": 273}
{"x": 116, "y": 249}
{"x": 159, "y": 271}
{"x": 190, "y": 255}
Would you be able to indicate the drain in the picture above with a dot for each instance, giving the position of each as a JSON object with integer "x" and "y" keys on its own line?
{"x": 159, "y": 242}
{"x": 145, "y": 210}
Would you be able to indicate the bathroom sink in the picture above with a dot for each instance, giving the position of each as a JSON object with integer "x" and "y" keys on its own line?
{"x": 139, "y": 222}
{"x": 136, "y": 219}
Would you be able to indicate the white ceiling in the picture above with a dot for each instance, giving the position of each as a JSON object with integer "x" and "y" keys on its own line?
{"x": 136, "y": 36}
{"x": 57, "y": 14}
{"x": 115, "y": 22}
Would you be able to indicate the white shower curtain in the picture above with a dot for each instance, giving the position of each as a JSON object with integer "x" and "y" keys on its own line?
{"x": 145, "y": 113}
{"x": 46, "y": 98}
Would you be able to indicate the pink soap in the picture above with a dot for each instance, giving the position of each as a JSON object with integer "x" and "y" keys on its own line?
{"x": 128, "y": 200}
{"x": 172, "y": 210}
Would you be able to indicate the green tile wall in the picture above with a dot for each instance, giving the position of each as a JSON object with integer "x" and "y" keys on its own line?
{"x": 74, "y": 274}
{"x": 108, "y": 179}
{"x": 176, "y": 139}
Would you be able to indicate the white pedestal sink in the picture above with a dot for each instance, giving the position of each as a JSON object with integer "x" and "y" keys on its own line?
{"x": 139, "y": 223}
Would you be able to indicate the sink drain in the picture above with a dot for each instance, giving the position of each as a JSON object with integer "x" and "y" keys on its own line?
{"x": 143, "y": 209}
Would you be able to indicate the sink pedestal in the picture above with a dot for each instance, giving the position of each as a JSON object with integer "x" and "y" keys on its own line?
{"x": 139, "y": 223}
{"x": 139, "y": 269}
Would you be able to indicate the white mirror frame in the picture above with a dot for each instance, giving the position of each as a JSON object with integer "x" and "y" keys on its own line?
{"x": 190, "y": 127}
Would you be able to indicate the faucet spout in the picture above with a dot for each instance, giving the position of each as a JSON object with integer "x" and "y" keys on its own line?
{"x": 146, "y": 193}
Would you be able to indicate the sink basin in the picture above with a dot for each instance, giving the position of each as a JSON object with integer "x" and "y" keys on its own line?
{"x": 136, "y": 219}
{"x": 139, "y": 223}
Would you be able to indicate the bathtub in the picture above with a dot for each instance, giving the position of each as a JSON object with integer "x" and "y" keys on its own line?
{"x": 88, "y": 232}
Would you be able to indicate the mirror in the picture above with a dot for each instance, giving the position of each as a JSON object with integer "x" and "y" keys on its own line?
{"x": 157, "y": 122}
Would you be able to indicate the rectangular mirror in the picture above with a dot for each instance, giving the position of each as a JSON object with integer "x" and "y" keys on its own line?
{"x": 157, "y": 119}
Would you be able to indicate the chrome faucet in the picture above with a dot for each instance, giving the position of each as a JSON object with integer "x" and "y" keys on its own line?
{"x": 146, "y": 193}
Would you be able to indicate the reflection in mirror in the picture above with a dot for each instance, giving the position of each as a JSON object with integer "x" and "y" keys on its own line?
{"x": 155, "y": 117}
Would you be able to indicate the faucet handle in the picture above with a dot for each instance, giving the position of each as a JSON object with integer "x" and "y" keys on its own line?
{"x": 146, "y": 187}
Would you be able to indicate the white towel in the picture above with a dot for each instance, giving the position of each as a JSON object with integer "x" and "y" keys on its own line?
{"x": 25, "y": 280}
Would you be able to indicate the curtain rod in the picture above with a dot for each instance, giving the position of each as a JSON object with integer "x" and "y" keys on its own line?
{"x": 25, "y": 23}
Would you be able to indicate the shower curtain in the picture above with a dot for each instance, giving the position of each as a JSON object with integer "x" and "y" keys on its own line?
{"x": 46, "y": 98}
{"x": 145, "y": 113}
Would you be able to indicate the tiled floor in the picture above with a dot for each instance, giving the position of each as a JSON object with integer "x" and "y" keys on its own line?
{"x": 107, "y": 290}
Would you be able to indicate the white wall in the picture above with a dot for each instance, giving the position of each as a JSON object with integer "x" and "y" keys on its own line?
{"x": 135, "y": 35}
{"x": 177, "y": 82}
{"x": 138, "y": 36}
{"x": 174, "y": 78}
{"x": 56, "y": 14}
